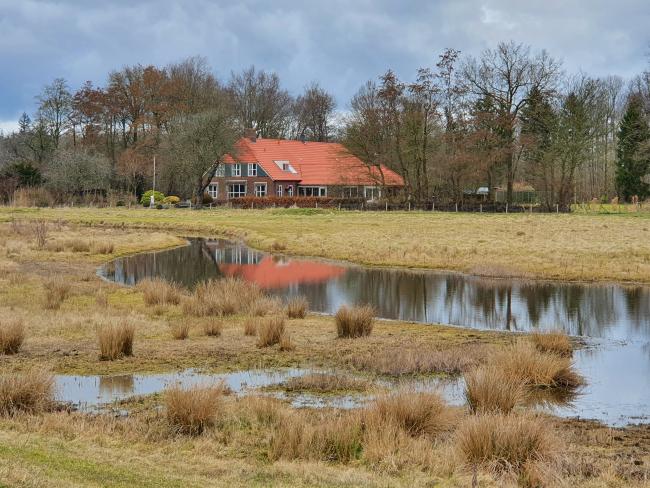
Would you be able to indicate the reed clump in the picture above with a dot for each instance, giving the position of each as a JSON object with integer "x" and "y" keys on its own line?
{"x": 180, "y": 330}
{"x": 212, "y": 327}
{"x": 12, "y": 335}
{"x": 553, "y": 342}
{"x": 297, "y": 307}
{"x": 157, "y": 291}
{"x": 270, "y": 331}
{"x": 192, "y": 410}
{"x": 31, "y": 391}
{"x": 488, "y": 389}
{"x": 222, "y": 297}
{"x": 353, "y": 322}
{"x": 265, "y": 305}
{"x": 115, "y": 340}
{"x": 325, "y": 383}
{"x": 250, "y": 327}
{"x": 56, "y": 291}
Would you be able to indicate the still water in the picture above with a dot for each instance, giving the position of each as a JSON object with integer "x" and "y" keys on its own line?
{"x": 615, "y": 318}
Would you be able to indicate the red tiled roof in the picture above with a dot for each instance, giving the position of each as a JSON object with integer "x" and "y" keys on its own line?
{"x": 316, "y": 163}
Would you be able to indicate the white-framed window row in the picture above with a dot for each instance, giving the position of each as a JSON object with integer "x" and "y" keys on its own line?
{"x": 213, "y": 190}
{"x": 371, "y": 192}
{"x": 350, "y": 191}
{"x": 312, "y": 191}
{"x": 236, "y": 190}
{"x": 252, "y": 169}
{"x": 279, "y": 190}
{"x": 236, "y": 169}
{"x": 289, "y": 190}
{"x": 260, "y": 189}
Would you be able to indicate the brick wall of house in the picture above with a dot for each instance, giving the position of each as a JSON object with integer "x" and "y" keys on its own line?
{"x": 250, "y": 181}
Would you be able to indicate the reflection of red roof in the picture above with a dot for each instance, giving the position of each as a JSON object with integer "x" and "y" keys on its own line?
{"x": 316, "y": 163}
{"x": 271, "y": 274}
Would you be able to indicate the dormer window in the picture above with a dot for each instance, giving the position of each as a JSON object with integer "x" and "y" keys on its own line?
{"x": 285, "y": 166}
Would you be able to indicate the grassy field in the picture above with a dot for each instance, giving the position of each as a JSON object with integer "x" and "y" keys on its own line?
{"x": 581, "y": 246}
{"x": 48, "y": 283}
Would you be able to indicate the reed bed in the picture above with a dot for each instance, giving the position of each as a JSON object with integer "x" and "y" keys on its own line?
{"x": 553, "y": 342}
{"x": 180, "y": 329}
{"x": 297, "y": 307}
{"x": 157, "y": 291}
{"x": 115, "y": 340}
{"x": 12, "y": 335}
{"x": 354, "y": 322}
{"x": 265, "y": 305}
{"x": 31, "y": 391}
{"x": 192, "y": 410}
{"x": 56, "y": 291}
{"x": 325, "y": 383}
{"x": 221, "y": 297}
{"x": 270, "y": 331}
{"x": 212, "y": 327}
{"x": 488, "y": 389}
{"x": 250, "y": 327}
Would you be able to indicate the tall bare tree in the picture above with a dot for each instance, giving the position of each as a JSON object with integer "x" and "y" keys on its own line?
{"x": 313, "y": 112}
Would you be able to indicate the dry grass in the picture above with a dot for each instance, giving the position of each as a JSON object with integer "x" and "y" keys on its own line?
{"x": 250, "y": 327}
{"x": 285, "y": 343}
{"x": 270, "y": 331}
{"x": 102, "y": 247}
{"x": 157, "y": 291}
{"x": 12, "y": 335}
{"x": 355, "y": 321}
{"x": 417, "y": 413}
{"x": 115, "y": 340}
{"x": 488, "y": 389}
{"x": 222, "y": 297}
{"x": 525, "y": 363}
{"x": 31, "y": 391}
{"x": 56, "y": 291}
{"x": 400, "y": 361}
{"x": 212, "y": 327}
{"x": 325, "y": 383}
{"x": 265, "y": 305}
{"x": 180, "y": 329}
{"x": 297, "y": 307}
{"x": 40, "y": 230}
{"x": 552, "y": 342}
{"x": 192, "y": 410}
{"x": 519, "y": 444}
{"x": 78, "y": 245}
{"x": 101, "y": 298}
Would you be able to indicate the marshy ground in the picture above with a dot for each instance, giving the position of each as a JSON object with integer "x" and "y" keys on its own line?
{"x": 48, "y": 283}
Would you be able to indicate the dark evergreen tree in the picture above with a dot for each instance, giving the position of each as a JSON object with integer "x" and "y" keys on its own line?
{"x": 632, "y": 163}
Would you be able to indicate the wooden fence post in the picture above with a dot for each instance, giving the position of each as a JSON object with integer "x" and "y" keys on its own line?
{"x": 480, "y": 208}
{"x": 557, "y": 208}
{"x": 456, "y": 206}
{"x": 409, "y": 206}
{"x": 386, "y": 206}
{"x": 506, "y": 207}
{"x": 433, "y": 206}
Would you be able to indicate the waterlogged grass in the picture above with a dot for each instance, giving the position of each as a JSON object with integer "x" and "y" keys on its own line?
{"x": 580, "y": 246}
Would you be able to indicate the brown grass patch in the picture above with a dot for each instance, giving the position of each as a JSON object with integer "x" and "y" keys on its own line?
{"x": 212, "y": 327}
{"x": 102, "y": 248}
{"x": 79, "y": 245}
{"x": 265, "y": 305}
{"x": 270, "y": 331}
{"x": 192, "y": 410}
{"x": 157, "y": 291}
{"x": 180, "y": 329}
{"x": 297, "y": 307}
{"x": 519, "y": 444}
{"x": 31, "y": 391}
{"x": 115, "y": 340}
{"x": 355, "y": 321}
{"x": 56, "y": 291}
{"x": 488, "y": 389}
{"x": 285, "y": 343}
{"x": 101, "y": 298}
{"x": 226, "y": 296}
{"x": 250, "y": 327}
{"x": 12, "y": 335}
{"x": 325, "y": 383}
{"x": 552, "y": 342}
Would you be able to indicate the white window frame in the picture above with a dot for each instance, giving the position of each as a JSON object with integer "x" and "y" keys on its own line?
{"x": 258, "y": 187}
{"x": 290, "y": 190}
{"x": 375, "y": 192}
{"x": 238, "y": 194}
{"x": 221, "y": 171}
{"x": 252, "y": 169}
{"x": 351, "y": 191}
{"x": 236, "y": 169}
{"x": 213, "y": 190}
{"x": 278, "y": 190}
{"x": 316, "y": 191}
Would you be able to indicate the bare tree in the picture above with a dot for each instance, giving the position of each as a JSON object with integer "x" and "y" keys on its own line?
{"x": 54, "y": 107}
{"x": 78, "y": 171}
{"x": 313, "y": 112}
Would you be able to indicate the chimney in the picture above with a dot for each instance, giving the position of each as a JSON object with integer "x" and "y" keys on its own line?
{"x": 251, "y": 134}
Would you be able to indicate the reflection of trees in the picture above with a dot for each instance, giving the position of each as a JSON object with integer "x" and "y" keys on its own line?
{"x": 112, "y": 386}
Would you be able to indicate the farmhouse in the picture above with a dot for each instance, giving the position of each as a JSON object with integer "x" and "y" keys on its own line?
{"x": 286, "y": 168}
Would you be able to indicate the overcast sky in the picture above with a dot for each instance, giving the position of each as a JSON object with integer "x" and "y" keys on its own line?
{"x": 340, "y": 43}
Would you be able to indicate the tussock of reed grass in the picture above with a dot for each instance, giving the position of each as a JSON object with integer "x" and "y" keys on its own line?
{"x": 31, "y": 391}
{"x": 404, "y": 360}
{"x": 488, "y": 389}
{"x": 552, "y": 342}
{"x": 250, "y": 327}
{"x": 265, "y": 305}
{"x": 212, "y": 327}
{"x": 157, "y": 291}
{"x": 115, "y": 340}
{"x": 285, "y": 343}
{"x": 102, "y": 247}
{"x": 270, "y": 331}
{"x": 297, "y": 307}
{"x": 520, "y": 444}
{"x": 353, "y": 322}
{"x": 417, "y": 413}
{"x": 180, "y": 329}
{"x": 12, "y": 335}
{"x": 79, "y": 245}
{"x": 524, "y": 362}
{"x": 101, "y": 298}
{"x": 56, "y": 291}
{"x": 192, "y": 410}
{"x": 222, "y": 297}
{"x": 325, "y": 383}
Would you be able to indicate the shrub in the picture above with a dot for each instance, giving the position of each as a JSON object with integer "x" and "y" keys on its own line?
{"x": 507, "y": 443}
{"x": 146, "y": 197}
{"x": 297, "y": 307}
{"x": 212, "y": 327}
{"x": 250, "y": 327}
{"x": 221, "y": 297}
{"x": 180, "y": 330}
{"x": 207, "y": 199}
{"x": 157, "y": 291}
{"x": 192, "y": 410}
{"x": 31, "y": 391}
{"x": 488, "y": 389}
{"x": 354, "y": 321}
{"x": 269, "y": 331}
{"x": 553, "y": 342}
{"x": 12, "y": 335}
{"x": 115, "y": 340}
{"x": 56, "y": 291}
{"x": 171, "y": 200}
{"x": 418, "y": 413}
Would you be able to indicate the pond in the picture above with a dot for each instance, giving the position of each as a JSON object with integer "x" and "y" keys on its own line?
{"x": 615, "y": 318}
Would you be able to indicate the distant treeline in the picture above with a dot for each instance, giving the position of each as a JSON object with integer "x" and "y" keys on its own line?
{"x": 507, "y": 119}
